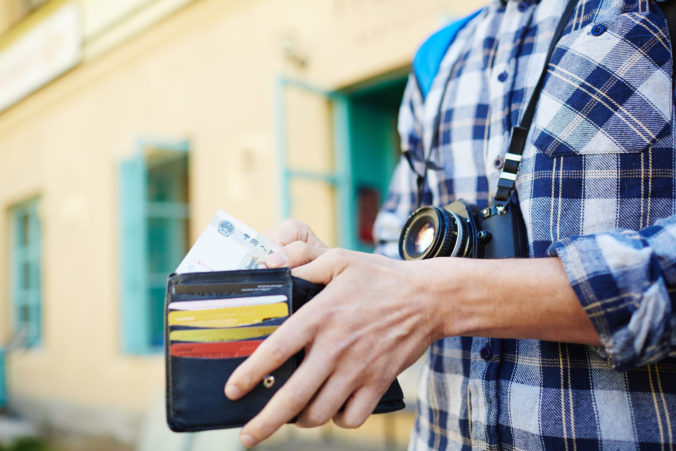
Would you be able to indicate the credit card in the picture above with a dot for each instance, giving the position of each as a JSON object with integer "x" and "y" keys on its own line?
{"x": 228, "y": 317}
{"x": 224, "y": 303}
{"x": 226, "y": 350}
{"x": 215, "y": 335}
{"x": 227, "y": 289}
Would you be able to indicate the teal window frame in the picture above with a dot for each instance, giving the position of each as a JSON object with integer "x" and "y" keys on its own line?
{"x": 26, "y": 271}
{"x": 142, "y": 276}
{"x": 351, "y": 137}
{"x": 340, "y": 178}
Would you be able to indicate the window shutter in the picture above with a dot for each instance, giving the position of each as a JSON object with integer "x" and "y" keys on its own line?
{"x": 26, "y": 270}
{"x": 135, "y": 312}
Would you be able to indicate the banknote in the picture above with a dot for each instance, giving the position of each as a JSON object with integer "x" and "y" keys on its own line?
{"x": 226, "y": 244}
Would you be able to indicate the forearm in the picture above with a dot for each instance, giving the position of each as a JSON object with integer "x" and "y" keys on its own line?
{"x": 511, "y": 298}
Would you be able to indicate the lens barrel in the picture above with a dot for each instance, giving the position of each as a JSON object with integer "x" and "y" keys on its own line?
{"x": 434, "y": 232}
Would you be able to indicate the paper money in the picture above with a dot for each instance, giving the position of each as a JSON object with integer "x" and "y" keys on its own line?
{"x": 226, "y": 244}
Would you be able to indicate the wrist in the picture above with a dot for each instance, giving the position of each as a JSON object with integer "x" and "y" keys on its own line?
{"x": 447, "y": 289}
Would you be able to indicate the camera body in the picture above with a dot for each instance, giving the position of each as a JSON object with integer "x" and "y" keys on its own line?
{"x": 462, "y": 230}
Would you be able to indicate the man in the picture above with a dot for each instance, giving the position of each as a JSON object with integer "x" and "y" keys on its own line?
{"x": 569, "y": 349}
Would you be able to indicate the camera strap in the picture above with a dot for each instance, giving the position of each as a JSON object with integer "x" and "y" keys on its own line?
{"x": 517, "y": 141}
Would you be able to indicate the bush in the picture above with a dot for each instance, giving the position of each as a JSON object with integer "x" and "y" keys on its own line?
{"x": 27, "y": 444}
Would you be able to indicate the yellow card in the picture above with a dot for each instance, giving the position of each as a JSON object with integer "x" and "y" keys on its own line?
{"x": 230, "y": 316}
{"x": 215, "y": 335}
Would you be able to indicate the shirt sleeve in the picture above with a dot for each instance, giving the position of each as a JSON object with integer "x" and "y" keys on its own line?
{"x": 401, "y": 198}
{"x": 625, "y": 281}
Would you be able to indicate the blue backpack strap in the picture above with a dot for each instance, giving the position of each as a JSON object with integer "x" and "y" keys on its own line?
{"x": 428, "y": 57}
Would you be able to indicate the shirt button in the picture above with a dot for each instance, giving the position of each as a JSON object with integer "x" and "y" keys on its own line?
{"x": 498, "y": 163}
{"x": 598, "y": 29}
{"x": 502, "y": 76}
{"x": 522, "y": 6}
{"x": 486, "y": 353}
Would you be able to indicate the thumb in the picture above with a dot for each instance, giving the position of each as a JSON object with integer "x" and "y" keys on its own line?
{"x": 295, "y": 254}
{"x": 324, "y": 268}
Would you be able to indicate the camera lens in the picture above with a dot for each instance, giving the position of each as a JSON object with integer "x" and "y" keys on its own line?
{"x": 424, "y": 238}
{"x": 433, "y": 232}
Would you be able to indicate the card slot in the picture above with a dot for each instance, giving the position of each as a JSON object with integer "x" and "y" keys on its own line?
{"x": 206, "y": 358}
{"x": 262, "y": 337}
{"x": 227, "y": 291}
{"x": 232, "y": 292}
{"x": 212, "y": 326}
{"x": 230, "y": 281}
{"x": 269, "y": 322}
{"x": 224, "y": 350}
{"x": 228, "y": 317}
{"x": 279, "y": 275}
{"x": 220, "y": 334}
{"x": 225, "y": 302}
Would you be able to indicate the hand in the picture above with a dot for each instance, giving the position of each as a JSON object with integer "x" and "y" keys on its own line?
{"x": 359, "y": 333}
{"x": 299, "y": 244}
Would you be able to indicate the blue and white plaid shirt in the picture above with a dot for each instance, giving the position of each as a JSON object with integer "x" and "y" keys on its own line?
{"x": 596, "y": 188}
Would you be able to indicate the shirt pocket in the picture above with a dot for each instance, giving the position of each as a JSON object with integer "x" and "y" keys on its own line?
{"x": 608, "y": 89}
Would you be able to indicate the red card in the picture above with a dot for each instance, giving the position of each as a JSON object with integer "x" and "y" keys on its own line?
{"x": 227, "y": 350}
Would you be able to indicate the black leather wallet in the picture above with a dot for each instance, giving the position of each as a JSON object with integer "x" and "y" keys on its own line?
{"x": 194, "y": 384}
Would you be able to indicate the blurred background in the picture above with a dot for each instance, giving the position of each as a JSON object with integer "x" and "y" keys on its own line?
{"x": 124, "y": 126}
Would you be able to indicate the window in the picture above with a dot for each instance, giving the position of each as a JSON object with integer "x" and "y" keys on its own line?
{"x": 154, "y": 238}
{"x": 366, "y": 151}
{"x": 25, "y": 266}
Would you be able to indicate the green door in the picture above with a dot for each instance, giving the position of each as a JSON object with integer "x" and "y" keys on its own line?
{"x": 375, "y": 150}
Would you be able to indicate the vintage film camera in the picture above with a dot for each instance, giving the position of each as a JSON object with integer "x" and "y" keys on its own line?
{"x": 461, "y": 230}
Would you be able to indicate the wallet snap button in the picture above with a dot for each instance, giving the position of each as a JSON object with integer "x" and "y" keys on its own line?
{"x": 269, "y": 381}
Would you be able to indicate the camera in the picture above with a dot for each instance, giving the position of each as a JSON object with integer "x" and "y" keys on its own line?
{"x": 462, "y": 230}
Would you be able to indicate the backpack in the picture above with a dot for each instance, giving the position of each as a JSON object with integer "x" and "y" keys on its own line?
{"x": 429, "y": 55}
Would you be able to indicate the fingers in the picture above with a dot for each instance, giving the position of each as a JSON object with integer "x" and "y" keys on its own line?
{"x": 294, "y": 254}
{"x": 294, "y": 230}
{"x": 358, "y": 407}
{"x": 329, "y": 400}
{"x": 290, "y": 399}
{"x": 286, "y": 341}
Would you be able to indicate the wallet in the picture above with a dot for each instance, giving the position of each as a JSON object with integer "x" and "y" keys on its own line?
{"x": 213, "y": 321}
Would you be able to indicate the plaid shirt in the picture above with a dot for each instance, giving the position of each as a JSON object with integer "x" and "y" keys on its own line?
{"x": 596, "y": 189}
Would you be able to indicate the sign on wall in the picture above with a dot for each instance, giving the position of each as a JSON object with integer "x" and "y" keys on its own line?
{"x": 40, "y": 55}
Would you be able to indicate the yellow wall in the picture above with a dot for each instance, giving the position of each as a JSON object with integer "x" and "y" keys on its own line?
{"x": 206, "y": 73}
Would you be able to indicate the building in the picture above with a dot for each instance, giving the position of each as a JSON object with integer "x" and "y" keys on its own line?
{"x": 124, "y": 126}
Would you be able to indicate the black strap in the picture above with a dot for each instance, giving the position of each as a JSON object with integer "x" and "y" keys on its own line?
{"x": 517, "y": 141}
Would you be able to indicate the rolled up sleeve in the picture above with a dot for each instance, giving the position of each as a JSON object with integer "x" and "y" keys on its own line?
{"x": 625, "y": 281}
